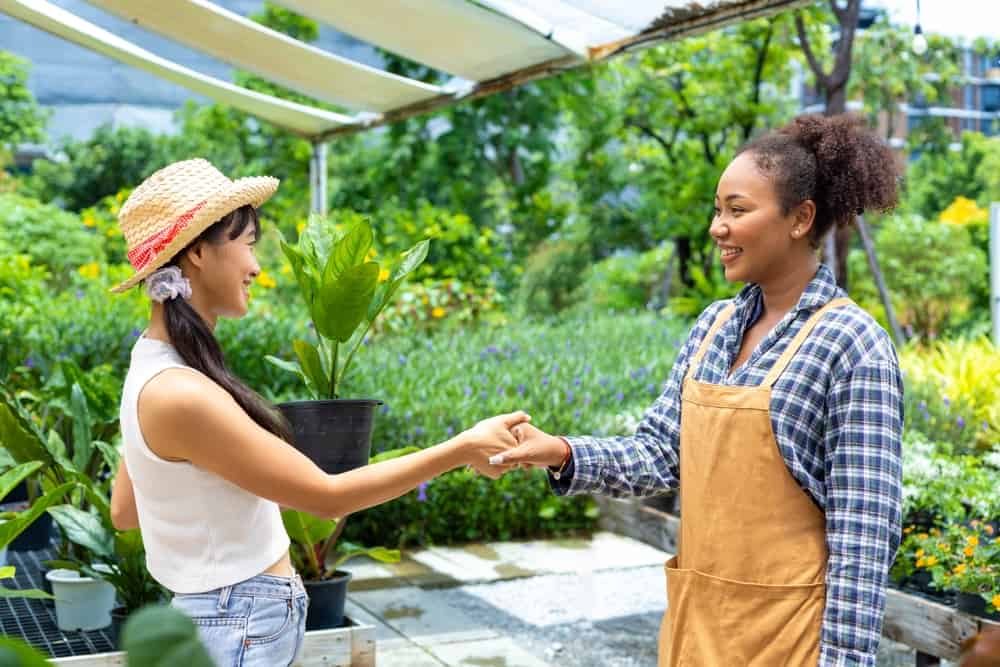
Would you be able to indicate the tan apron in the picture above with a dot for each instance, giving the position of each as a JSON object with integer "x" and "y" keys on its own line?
{"x": 747, "y": 585}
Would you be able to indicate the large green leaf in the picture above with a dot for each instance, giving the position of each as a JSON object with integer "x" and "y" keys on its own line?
{"x": 16, "y": 475}
{"x": 14, "y": 527}
{"x": 85, "y": 529}
{"x": 14, "y": 652}
{"x": 344, "y": 303}
{"x": 348, "y": 550}
{"x": 307, "y": 529}
{"x": 348, "y": 251}
{"x": 18, "y": 438}
{"x": 312, "y": 366}
{"x": 82, "y": 428}
{"x": 160, "y": 636}
{"x": 58, "y": 450}
{"x": 305, "y": 275}
{"x": 411, "y": 259}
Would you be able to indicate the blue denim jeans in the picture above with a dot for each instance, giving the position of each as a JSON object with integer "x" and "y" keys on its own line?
{"x": 260, "y": 622}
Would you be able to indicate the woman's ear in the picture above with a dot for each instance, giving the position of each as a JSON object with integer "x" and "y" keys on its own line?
{"x": 804, "y": 217}
{"x": 194, "y": 256}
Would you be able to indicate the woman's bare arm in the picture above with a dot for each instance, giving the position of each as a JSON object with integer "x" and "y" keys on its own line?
{"x": 187, "y": 416}
{"x": 124, "y": 515}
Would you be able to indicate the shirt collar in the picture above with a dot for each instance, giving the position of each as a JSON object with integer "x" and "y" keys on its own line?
{"x": 821, "y": 290}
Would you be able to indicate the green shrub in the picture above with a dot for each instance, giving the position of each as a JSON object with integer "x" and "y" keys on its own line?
{"x": 52, "y": 237}
{"x": 933, "y": 271}
{"x": 551, "y": 275}
{"x": 625, "y": 281}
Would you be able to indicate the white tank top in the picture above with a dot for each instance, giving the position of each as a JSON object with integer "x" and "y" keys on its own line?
{"x": 201, "y": 531}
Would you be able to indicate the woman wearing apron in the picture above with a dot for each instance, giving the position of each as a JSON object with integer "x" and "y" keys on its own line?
{"x": 780, "y": 423}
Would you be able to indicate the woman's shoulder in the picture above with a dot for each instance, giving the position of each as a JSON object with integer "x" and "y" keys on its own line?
{"x": 851, "y": 337}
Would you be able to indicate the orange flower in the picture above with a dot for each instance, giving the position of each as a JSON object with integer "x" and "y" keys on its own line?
{"x": 968, "y": 551}
{"x": 988, "y": 528}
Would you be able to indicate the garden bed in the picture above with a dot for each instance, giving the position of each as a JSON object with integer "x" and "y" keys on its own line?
{"x": 929, "y": 626}
{"x": 34, "y": 622}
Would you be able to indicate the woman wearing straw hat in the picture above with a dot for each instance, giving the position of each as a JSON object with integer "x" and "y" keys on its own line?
{"x": 206, "y": 460}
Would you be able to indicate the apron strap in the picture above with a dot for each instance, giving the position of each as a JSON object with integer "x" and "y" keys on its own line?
{"x": 793, "y": 347}
{"x": 720, "y": 319}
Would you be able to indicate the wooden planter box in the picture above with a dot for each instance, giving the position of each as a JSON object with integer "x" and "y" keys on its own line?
{"x": 352, "y": 646}
{"x": 934, "y": 630}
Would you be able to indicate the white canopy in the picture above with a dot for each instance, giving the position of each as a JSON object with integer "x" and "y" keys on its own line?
{"x": 486, "y": 45}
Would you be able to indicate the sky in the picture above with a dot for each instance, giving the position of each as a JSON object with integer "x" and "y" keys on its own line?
{"x": 963, "y": 18}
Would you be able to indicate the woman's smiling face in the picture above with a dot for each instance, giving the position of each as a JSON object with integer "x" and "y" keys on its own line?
{"x": 756, "y": 238}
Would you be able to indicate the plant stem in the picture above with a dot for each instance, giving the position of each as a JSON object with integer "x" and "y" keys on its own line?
{"x": 361, "y": 338}
{"x": 333, "y": 368}
{"x": 330, "y": 541}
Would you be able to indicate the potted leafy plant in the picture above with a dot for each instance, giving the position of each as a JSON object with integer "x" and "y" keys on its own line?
{"x": 344, "y": 290}
{"x": 116, "y": 558}
{"x": 314, "y": 542}
{"x": 975, "y": 572}
{"x": 74, "y": 474}
{"x": 15, "y": 523}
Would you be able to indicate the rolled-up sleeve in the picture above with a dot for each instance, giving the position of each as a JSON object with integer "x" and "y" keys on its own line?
{"x": 863, "y": 473}
{"x": 646, "y": 463}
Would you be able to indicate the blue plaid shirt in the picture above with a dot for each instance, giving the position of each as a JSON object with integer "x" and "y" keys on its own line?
{"x": 837, "y": 412}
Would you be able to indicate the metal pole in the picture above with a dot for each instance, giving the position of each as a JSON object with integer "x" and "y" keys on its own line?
{"x": 317, "y": 179}
{"x": 995, "y": 270}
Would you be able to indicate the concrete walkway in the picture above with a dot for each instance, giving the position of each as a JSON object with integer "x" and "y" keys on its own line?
{"x": 573, "y": 603}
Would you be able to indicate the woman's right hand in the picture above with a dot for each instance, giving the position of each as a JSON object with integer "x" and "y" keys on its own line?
{"x": 490, "y": 437}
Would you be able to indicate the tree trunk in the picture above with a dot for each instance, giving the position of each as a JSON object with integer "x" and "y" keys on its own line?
{"x": 883, "y": 290}
{"x": 683, "y": 252}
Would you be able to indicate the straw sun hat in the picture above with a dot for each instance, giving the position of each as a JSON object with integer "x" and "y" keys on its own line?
{"x": 176, "y": 204}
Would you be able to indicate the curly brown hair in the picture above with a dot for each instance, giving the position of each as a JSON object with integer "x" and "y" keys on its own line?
{"x": 833, "y": 160}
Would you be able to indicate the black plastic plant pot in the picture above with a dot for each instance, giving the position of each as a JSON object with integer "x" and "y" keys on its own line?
{"x": 36, "y": 536}
{"x": 335, "y": 434}
{"x": 973, "y": 603}
{"x": 326, "y": 601}
{"x": 118, "y": 617}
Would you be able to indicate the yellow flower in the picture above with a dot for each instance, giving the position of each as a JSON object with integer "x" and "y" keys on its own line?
{"x": 996, "y": 601}
{"x": 962, "y": 211}
{"x": 944, "y": 547}
{"x": 91, "y": 270}
{"x": 920, "y": 552}
{"x": 265, "y": 280}
{"x": 968, "y": 551}
{"x": 931, "y": 560}
{"x": 88, "y": 220}
{"x": 372, "y": 253}
{"x": 426, "y": 299}
{"x": 921, "y": 562}
{"x": 112, "y": 232}
{"x": 908, "y": 530}
{"x": 934, "y": 531}
{"x": 438, "y": 312}
{"x": 383, "y": 275}
{"x": 973, "y": 540}
{"x": 922, "y": 536}
{"x": 299, "y": 227}
{"x": 286, "y": 268}
{"x": 960, "y": 568}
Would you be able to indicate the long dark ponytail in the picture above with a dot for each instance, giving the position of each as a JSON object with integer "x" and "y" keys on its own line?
{"x": 197, "y": 345}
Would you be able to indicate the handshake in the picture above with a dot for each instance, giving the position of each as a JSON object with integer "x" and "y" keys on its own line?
{"x": 496, "y": 445}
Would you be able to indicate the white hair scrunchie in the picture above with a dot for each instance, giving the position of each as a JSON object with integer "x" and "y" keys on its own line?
{"x": 167, "y": 283}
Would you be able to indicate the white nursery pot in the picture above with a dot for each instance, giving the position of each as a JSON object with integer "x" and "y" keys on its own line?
{"x": 82, "y": 603}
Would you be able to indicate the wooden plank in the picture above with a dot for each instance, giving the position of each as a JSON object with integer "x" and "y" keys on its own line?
{"x": 353, "y": 646}
{"x": 929, "y": 627}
